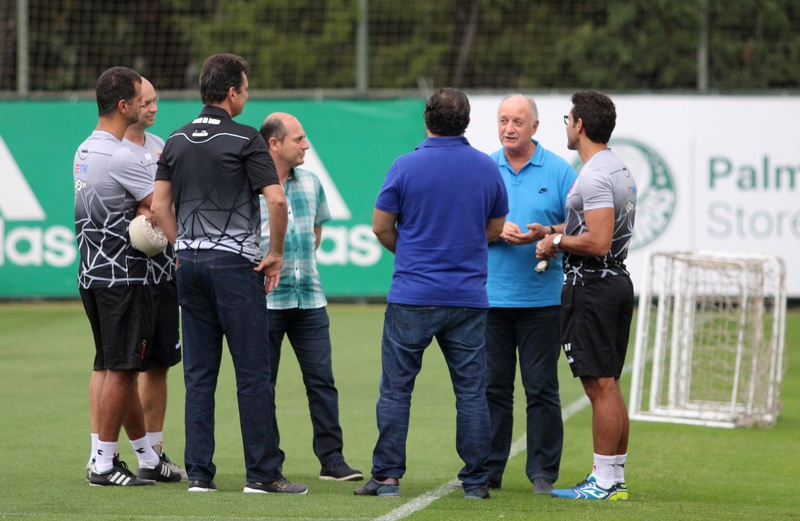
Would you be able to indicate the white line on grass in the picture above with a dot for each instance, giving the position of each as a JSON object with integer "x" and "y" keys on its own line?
{"x": 420, "y": 502}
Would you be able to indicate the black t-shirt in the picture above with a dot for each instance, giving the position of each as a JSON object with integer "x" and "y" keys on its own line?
{"x": 217, "y": 168}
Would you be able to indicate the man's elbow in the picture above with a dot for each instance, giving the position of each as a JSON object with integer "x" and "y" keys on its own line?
{"x": 277, "y": 204}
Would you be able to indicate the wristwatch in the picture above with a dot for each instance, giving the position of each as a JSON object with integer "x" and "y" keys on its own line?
{"x": 557, "y": 241}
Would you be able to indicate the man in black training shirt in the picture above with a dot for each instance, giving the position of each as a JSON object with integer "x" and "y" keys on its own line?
{"x": 213, "y": 169}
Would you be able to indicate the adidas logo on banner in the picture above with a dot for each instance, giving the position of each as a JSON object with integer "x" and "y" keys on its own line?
{"x": 25, "y": 245}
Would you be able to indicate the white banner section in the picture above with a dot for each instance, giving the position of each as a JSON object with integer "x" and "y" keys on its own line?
{"x": 715, "y": 173}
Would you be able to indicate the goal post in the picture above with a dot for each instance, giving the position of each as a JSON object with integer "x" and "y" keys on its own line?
{"x": 709, "y": 339}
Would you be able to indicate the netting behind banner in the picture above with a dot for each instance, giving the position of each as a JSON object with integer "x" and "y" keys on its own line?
{"x": 56, "y": 46}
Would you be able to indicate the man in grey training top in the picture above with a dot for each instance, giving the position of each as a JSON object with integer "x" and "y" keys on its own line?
{"x": 597, "y": 297}
{"x": 110, "y": 183}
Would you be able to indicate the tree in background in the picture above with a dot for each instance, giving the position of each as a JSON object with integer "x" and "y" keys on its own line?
{"x": 471, "y": 44}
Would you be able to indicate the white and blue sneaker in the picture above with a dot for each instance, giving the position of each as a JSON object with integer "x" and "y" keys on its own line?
{"x": 589, "y": 489}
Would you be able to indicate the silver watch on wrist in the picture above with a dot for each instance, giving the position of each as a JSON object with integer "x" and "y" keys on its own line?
{"x": 557, "y": 241}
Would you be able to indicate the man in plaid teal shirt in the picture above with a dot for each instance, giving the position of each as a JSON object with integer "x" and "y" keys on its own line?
{"x": 297, "y": 305}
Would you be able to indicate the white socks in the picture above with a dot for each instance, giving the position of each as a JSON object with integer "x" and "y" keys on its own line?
{"x": 103, "y": 452}
{"x": 104, "y": 457}
{"x": 145, "y": 453}
{"x": 619, "y": 468}
{"x": 95, "y": 440}
{"x": 154, "y": 439}
{"x": 603, "y": 470}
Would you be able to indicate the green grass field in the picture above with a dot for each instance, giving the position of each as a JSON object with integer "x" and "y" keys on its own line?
{"x": 674, "y": 472}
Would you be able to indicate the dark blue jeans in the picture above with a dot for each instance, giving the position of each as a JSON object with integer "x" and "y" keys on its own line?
{"x": 308, "y": 332}
{"x": 407, "y": 331}
{"x": 535, "y": 332}
{"x": 220, "y": 294}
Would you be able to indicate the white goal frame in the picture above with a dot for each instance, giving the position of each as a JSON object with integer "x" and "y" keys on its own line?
{"x": 710, "y": 339}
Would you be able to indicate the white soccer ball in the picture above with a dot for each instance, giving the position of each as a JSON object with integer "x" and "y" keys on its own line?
{"x": 146, "y": 238}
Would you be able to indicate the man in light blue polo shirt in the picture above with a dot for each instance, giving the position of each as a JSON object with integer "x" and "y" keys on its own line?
{"x": 525, "y": 303}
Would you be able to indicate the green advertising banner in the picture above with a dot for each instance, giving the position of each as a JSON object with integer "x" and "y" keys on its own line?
{"x": 353, "y": 144}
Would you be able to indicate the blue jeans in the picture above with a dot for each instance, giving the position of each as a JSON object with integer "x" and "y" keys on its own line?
{"x": 308, "y": 332}
{"x": 220, "y": 294}
{"x": 535, "y": 332}
{"x": 407, "y": 331}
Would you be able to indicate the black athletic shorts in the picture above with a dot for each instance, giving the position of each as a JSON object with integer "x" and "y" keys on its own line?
{"x": 166, "y": 347}
{"x": 122, "y": 325}
{"x": 595, "y": 325}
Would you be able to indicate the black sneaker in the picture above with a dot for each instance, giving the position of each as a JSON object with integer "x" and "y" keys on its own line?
{"x": 174, "y": 467}
{"x": 119, "y": 475}
{"x": 389, "y": 487}
{"x": 158, "y": 473}
{"x": 477, "y": 493}
{"x": 340, "y": 471}
{"x": 279, "y": 486}
{"x": 89, "y": 468}
{"x": 202, "y": 486}
{"x": 542, "y": 486}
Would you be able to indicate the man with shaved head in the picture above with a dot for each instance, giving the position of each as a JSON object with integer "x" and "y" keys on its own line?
{"x": 165, "y": 350}
{"x": 297, "y": 306}
{"x": 525, "y": 302}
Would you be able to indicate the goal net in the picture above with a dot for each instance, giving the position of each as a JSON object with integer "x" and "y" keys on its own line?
{"x": 709, "y": 339}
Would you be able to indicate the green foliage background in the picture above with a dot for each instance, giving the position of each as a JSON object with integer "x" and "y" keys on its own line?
{"x": 480, "y": 44}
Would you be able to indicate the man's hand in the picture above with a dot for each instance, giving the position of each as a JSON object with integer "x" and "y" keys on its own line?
{"x": 512, "y": 234}
{"x": 546, "y": 249}
{"x": 270, "y": 266}
{"x": 144, "y": 209}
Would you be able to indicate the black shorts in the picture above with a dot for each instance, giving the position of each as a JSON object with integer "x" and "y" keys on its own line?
{"x": 595, "y": 325}
{"x": 122, "y": 325}
{"x": 166, "y": 346}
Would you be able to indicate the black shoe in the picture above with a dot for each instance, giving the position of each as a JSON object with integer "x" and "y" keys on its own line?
{"x": 340, "y": 471}
{"x": 160, "y": 472}
{"x": 119, "y": 475}
{"x": 202, "y": 486}
{"x": 542, "y": 486}
{"x": 89, "y": 469}
{"x": 477, "y": 493}
{"x": 174, "y": 467}
{"x": 389, "y": 487}
{"x": 494, "y": 482}
{"x": 279, "y": 486}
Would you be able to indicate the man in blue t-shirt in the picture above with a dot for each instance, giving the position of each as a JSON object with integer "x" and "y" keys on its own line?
{"x": 437, "y": 210}
{"x": 525, "y": 302}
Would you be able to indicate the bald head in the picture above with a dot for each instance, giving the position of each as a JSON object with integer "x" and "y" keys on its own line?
{"x": 286, "y": 140}
{"x": 517, "y": 121}
{"x": 274, "y": 125}
{"x": 147, "y": 113}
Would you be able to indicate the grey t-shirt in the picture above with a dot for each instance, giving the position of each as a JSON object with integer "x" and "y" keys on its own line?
{"x": 162, "y": 265}
{"x": 604, "y": 182}
{"x": 109, "y": 182}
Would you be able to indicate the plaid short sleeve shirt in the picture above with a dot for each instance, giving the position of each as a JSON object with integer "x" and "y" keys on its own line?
{"x": 300, "y": 285}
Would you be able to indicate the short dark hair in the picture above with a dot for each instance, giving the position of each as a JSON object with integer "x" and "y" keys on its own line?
{"x": 597, "y": 112}
{"x": 115, "y": 84}
{"x": 273, "y": 127}
{"x": 447, "y": 112}
{"x": 221, "y": 72}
